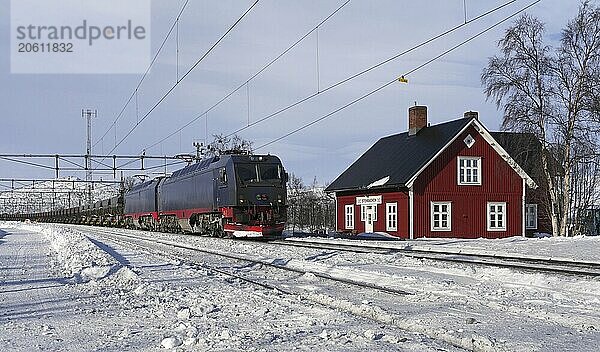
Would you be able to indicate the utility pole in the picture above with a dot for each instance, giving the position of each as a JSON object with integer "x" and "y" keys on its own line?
{"x": 89, "y": 114}
{"x": 199, "y": 150}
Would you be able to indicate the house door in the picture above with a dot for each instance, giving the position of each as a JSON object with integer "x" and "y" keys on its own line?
{"x": 369, "y": 218}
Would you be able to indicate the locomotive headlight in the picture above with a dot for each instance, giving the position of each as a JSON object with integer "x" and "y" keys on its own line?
{"x": 279, "y": 199}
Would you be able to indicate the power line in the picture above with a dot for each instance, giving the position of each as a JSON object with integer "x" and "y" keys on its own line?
{"x": 305, "y": 99}
{"x": 184, "y": 76}
{"x": 252, "y": 77}
{"x": 27, "y": 163}
{"x": 135, "y": 90}
{"x": 394, "y": 80}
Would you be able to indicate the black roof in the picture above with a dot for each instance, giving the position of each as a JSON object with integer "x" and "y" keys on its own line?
{"x": 523, "y": 147}
{"x": 398, "y": 156}
{"x": 526, "y": 149}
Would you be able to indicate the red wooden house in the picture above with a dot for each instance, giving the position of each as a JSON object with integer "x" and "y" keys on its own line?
{"x": 448, "y": 180}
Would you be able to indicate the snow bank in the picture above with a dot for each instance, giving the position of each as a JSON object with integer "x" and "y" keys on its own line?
{"x": 7, "y": 224}
{"x": 78, "y": 258}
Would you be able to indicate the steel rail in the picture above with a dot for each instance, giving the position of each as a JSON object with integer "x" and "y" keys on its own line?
{"x": 273, "y": 264}
{"x": 200, "y": 265}
{"x": 545, "y": 265}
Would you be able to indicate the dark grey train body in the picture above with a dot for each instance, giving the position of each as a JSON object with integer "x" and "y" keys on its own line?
{"x": 237, "y": 195}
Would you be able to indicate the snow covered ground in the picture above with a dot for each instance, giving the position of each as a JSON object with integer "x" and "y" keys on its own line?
{"x": 578, "y": 248}
{"x": 79, "y": 288}
{"x": 63, "y": 290}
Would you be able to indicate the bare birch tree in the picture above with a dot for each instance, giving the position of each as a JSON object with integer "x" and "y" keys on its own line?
{"x": 553, "y": 93}
{"x": 309, "y": 207}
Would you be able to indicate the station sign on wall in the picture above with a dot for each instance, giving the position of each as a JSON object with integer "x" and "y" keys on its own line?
{"x": 370, "y": 200}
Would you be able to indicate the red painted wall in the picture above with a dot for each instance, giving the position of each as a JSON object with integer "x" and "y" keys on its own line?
{"x": 500, "y": 183}
{"x": 540, "y": 197}
{"x": 380, "y": 225}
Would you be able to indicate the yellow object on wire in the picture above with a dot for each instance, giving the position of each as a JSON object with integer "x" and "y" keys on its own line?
{"x": 402, "y": 79}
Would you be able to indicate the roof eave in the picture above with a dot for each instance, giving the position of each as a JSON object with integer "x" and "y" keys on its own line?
{"x": 365, "y": 188}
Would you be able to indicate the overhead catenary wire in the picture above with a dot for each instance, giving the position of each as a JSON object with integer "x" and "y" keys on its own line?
{"x": 352, "y": 77}
{"x": 242, "y": 85}
{"x": 396, "y": 79}
{"x": 134, "y": 93}
{"x": 186, "y": 74}
{"x": 27, "y": 163}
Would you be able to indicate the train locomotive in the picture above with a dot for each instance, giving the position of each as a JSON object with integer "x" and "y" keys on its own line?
{"x": 232, "y": 195}
{"x": 228, "y": 195}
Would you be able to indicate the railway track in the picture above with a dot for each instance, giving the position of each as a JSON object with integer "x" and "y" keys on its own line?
{"x": 330, "y": 298}
{"x": 273, "y": 263}
{"x": 527, "y": 263}
{"x": 344, "y": 303}
{"x": 546, "y": 265}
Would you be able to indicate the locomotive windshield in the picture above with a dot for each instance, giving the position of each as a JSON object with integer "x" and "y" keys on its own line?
{"x": 269, "y": 172}
{"x": 249, "y": 173}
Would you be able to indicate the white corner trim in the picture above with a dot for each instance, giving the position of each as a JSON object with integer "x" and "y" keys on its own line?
{"x": 337, "y": 228}
{"x": 411, "y": 213}
{"x": 523, "y": 212}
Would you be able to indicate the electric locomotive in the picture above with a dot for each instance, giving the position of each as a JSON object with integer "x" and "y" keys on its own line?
{"x": 229, "y": 195}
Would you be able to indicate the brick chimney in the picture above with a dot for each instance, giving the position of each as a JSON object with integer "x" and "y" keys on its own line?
{"x": 471, "y": 115}
{"x": 417, "y": 119}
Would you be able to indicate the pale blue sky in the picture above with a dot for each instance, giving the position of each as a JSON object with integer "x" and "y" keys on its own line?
{"x": 41, "y": 113}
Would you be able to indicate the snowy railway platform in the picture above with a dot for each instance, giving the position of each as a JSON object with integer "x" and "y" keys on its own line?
{"x": 86, "y": 288}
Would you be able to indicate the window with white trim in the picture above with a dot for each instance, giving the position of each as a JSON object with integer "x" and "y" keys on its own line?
{"x": 496, "y": 216}
{"x": 391, "y": 215}
{"x": 441, "y": 216}
{"x": 349, "y": 217}
{"x": 469, "y": 170}
{"x": 531, "y": 216}
{"x": 363, "y": 212}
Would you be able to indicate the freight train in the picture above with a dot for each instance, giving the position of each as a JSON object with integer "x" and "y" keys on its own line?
{"x": 233, "y": 195}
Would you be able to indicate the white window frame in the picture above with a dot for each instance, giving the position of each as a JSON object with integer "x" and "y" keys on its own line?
{"x": 460, "y": 167}
{"x": 363, "y": 212}
{"x": 349, "y": 217}
{"x": 495, "y": 213}
{"x": 535, "y": 218}
{"x": 391, "y": 216}
{"x": 448, "y": 214}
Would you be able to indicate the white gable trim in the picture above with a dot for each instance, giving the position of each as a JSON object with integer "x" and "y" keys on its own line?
{"x": 491, "y": 141}
{"x": 412, "y": 180}
{"x": 503, "y": 153}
